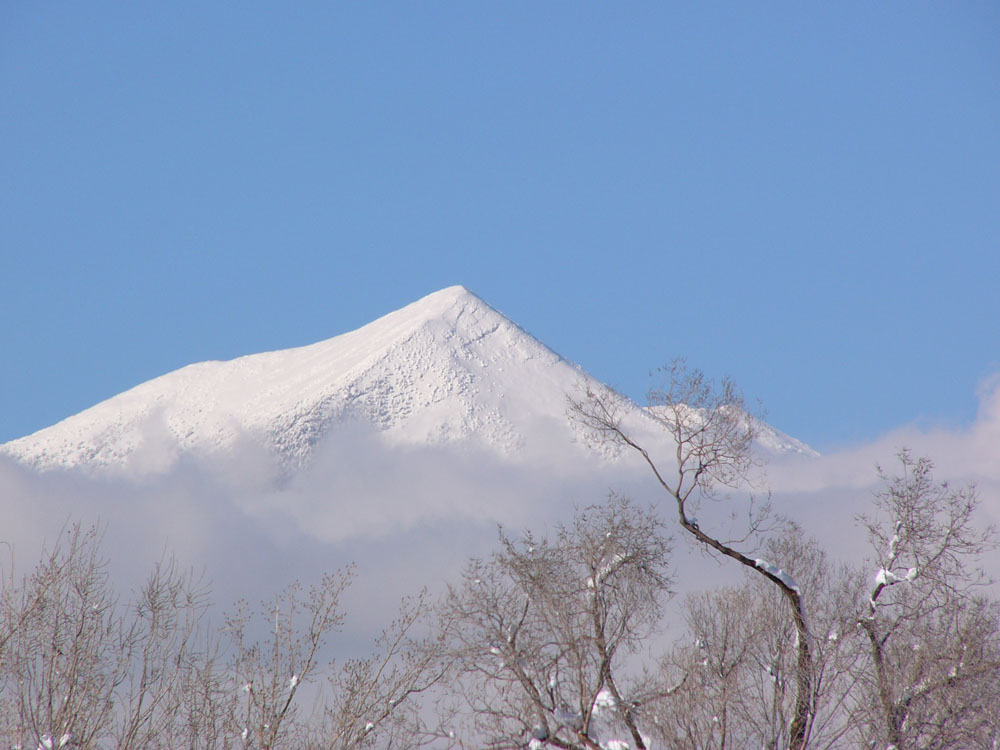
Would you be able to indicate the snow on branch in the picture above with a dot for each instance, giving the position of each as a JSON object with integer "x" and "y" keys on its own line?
{"x": 887, "y": 577}
{"x": 778, "y": 573}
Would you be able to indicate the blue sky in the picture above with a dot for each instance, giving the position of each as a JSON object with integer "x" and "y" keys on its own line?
{"x": 804, "y": 198}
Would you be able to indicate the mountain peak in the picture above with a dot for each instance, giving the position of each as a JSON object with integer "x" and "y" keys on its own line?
{"x": 447, "y": 367}
{"x": 450, "y": 294}
{"x": 451, "y": 304}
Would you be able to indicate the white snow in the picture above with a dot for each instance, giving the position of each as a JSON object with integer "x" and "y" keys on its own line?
{"x": 447, "y": 368}
{"x": 605, "y": 569}
{"x": 778, "y": 573}
{"x": 48, "y": 743}
{"x": 603, "y": 701}
{"x": 887, "y": 577}
{"x": 884, "y": 577}
{"x": 894, "y": 542}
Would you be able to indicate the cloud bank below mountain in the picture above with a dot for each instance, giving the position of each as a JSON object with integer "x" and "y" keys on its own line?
{"x": 408, "y": 515}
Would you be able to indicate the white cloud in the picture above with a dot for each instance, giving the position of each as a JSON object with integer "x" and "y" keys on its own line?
{"x": 409, "y": 516}
{"x": 827, "y": 492}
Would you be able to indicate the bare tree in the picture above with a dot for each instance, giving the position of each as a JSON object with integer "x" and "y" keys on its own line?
{"x": 81, "y": 669}
{"x": 706, "y": 712}
{"x": 366, "y": 701}
{"x": 165, "y": 641}
{"x": 538, "y": 636}
{"x": 68, "y": 654}
{"x": 932, "y": 676}
{"x": 374, "y": 700}
{"x": 271, "y": 671}
{"x": 740, "y": 657}
{"x": 713, "y": 433}
{"x": 205, "y": 702}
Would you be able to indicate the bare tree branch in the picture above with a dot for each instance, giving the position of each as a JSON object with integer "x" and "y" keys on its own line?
{"x": 713, "y": 435}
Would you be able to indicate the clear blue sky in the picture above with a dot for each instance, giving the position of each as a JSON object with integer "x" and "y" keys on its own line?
{"x": 805, "y": 197}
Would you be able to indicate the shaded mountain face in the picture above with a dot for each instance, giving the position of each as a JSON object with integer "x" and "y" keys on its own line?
{"x": 445, "y": 370}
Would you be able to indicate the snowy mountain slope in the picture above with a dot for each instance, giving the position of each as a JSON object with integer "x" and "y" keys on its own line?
{"x": 445, "y": 369}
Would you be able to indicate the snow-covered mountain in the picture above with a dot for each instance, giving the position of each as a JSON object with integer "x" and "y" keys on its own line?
{"x": 445, "y": 369}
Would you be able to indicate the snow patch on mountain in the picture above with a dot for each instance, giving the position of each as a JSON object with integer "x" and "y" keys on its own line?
{"x": 447, "y": 369}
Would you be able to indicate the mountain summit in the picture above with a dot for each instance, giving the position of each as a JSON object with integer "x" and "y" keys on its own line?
{"x": 446, "y": 369}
